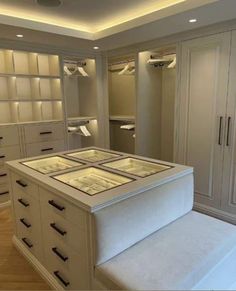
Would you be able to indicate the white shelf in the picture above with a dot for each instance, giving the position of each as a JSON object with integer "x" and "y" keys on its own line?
{"x": 30, "y": 100}
{"x": 122, "y": 118}
{"x": 82, "y": 118}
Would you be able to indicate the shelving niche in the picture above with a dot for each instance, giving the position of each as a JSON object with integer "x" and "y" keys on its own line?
{"x": 30, "y": 87}
{"x": 122, "y": 102}
{"x": 81, "y": 101}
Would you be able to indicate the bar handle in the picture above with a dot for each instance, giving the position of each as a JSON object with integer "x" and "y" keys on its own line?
{"x": 64, "y": 282}
{"x": 45, "y": 132}
{"x": 56, "y": 251}
{"x": 228, "y": 132}
{"x": 21, "y": 183}
{"x": 25, "y": 223}
{"x": 3, "y": 175}
{"x": 54, "y": 204}
{"x": 1, "y": 137}
{"x": 25, "y": 241}
{"x": 47, "y": 149}
{"x": 22, "y": 202}
{"x": 4, "y": 193}
{"x": 57, "y": 229}
{"x": 220, "y": 131}
{"x": 2, "y": 157}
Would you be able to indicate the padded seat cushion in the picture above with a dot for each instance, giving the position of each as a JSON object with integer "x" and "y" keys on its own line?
{"x": 194, "y": 252}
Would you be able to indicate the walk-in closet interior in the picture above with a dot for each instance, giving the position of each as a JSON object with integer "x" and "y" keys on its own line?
{"x": 118, "y": 145}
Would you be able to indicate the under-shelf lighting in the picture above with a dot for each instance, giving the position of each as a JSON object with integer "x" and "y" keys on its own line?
{"x": 193, "y": 20}
{"x": 20, "y": 35}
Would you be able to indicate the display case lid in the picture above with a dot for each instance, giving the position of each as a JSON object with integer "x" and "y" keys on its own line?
{"x": 93, "y": 155}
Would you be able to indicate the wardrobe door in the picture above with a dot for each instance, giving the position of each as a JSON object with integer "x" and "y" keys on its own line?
{"x": 202, "y": 107}
{"x": 228, "y": 199}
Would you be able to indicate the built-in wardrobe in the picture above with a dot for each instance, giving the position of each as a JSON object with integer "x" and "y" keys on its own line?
{"x": 205, "y": 119}
{"x": 122, "y": 103}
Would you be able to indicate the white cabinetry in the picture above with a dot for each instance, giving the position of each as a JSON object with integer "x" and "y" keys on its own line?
{"x": 203, "y": 120}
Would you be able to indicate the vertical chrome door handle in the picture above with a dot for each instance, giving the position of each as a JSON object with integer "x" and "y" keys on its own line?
{"x": 228, "y": 132}
{"x": 220, "y": 131}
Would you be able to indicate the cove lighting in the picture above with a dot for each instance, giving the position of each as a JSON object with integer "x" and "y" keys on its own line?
{"x": 192, "y": 20}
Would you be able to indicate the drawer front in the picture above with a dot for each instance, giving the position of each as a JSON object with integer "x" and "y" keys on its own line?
{"x": 62, "y": 231}
{"x": 68, "y": 267}
{"x": 44, "y": 132}
{"x": 8, "y": 136}
{"x": 32, "y": 242}
{"x": 9, "y": 153}
{"x": 3, "y": 175}
{"x": 4, "y": 193}
{"x": 23, "y": 185}
{"x": 52, "y": 204}
{"x": 44, "y": 148}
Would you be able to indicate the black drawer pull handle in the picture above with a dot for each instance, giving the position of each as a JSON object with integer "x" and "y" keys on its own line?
{"x": 45, "y": 150}
{"x": 54, "y": 204}
{"x": 2, "y": 157}
{"x": 56, "y": 228}
{"x": 55, "y": 250}
{"x": 4, "y": 193}
{"x": 1, "y": 137}
{"x": 26, "y": 224}
{"x": 45, "y": 132}
{"x": 64, "y": 282}
{"x": 22, "y": 202}
{"x": 29, "y": 244}
{"x": 3, "y": 175}
{"x": 21, "y": 183}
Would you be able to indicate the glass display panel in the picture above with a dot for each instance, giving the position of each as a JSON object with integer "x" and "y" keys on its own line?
{"x": 137, "y": 167}
{"x": 93, "y": 155}
{"x": 52, "y": 164}
{"x": 92, "y": 180}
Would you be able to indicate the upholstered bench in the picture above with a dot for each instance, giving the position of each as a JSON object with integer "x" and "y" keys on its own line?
{"x": 193, "y": 252}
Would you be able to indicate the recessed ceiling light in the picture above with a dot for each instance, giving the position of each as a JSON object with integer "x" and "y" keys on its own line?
{"x": 20, "y": 35}
{"x": 49, "y": 3}
{"x": 193, "y": 20}
{"x": 96, "y": 47}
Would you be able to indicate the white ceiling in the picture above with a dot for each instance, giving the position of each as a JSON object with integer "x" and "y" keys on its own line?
{"x": 91, "y": 19}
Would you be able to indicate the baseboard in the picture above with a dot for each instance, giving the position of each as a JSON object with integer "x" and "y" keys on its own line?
{"x": 5, "y": 204}
{"x": 215, "y": 213}
{"x": 37, "y": 265}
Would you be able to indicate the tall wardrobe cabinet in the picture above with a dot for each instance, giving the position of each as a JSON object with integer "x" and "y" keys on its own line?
{"x": 206, "y": 115}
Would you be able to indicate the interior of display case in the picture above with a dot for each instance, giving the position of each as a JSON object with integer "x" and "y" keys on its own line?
{"x": 93, "y": 155}
{"x": 137, "y": 167}
{"x": 92, "y": 180}
{"x": 51, "y": 165}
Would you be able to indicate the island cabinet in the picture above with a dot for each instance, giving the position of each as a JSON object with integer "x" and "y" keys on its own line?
{"x": 76, "y": 210}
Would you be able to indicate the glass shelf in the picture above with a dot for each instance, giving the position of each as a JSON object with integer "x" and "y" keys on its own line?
{"x": 92, "y": 180}
{"x": 137, "y": 167}
{"x": 51, "y": 165}
{"x": 93, "y": 155}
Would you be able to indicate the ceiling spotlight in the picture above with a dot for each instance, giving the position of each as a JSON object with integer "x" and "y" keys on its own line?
{"x": 193, "y": 20}
{"x": 20, "y": 35}
{"x": 49, "y": 3}
{"x": 96, "y": 47}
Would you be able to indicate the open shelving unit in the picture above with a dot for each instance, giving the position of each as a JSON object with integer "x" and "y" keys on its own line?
{"x": 30, "y": 87}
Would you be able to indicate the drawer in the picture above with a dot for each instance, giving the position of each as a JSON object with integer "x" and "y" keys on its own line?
{"x": 8, "y": 136}
{"x": 9, "y": 153}
{"x": 4, "y": 193}
{"x": 61, "y": 231}
{"x": 52, "y": 204}
{"x": 3, "y": 176}
{"x": 44, "y": 148}
{"x": 68, "y": 267}
{"x": 44, "y": 132}
{"x": 31, "y": 241}
{"x": 23, "y": 185}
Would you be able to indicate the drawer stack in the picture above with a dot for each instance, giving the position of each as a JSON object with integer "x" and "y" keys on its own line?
{"x": 9, "y": 150}
{"x": 65, "y": 241}
{"x": 42, "y": 139}
{"x": 27, "y": 214}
